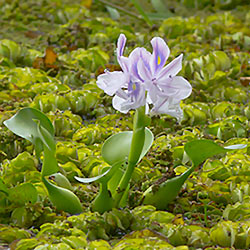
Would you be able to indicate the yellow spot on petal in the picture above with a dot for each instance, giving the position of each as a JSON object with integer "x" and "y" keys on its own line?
{"x": 134, "y": 86}
{"x": 159, "y": 60}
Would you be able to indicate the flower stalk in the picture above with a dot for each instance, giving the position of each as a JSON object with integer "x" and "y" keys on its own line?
{"x": 141, "y": 120}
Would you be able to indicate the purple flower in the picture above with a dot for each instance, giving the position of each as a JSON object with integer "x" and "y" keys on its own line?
{"x": 126, "y": 86}
{"x": 146, "y": 80}
{"x": 165, "y": 89}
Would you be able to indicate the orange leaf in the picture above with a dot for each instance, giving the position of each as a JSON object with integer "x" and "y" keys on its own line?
{"x": 245, "y": 81}
{"x": 50, "y": 58}
{"x": 38, "y": 63}
{"x": 109, "y": 67}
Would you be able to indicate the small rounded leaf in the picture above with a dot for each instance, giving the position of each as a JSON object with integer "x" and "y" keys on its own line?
{"x": 116, "y": 148}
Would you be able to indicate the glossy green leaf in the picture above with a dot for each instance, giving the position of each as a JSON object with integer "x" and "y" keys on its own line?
{"x": 35, "y": 126}
{"x": 114, "y": 14}
{"x": 23, "y": 193}
{"x": 104, "y": 177}
{"x": 63, "y": 199}
{"x": 50, "y": 165}
{"x": 200, "y": 150}
{"x": 27, "y": 244}
{"x": 116, "y": 148}
{"x": 9, "y": 234}
{"x": 91, "y": 179}
{"x": 10, "y": 49}
{"x": 75, "y": 242}
{"x": 19, "y": 216}
{"x": 235, "y": 147}
{"x": 23, "y": 124}
{"x": 46, "y": 137}
{"x": 62, "y": 181}
{"x": 115, "y": 179}
{"x": 222, "y": 61}
{"x": 159, "y": 6}
{"x": 160, "y": 196}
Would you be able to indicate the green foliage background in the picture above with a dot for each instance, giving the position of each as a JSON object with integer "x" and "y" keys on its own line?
{"x": 212, "y": 209}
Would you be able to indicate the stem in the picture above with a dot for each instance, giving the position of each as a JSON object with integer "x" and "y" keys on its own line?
{"x": 141, "y": 11}
{"x": 121, "y": 9}
{"x": 140, "y": 121}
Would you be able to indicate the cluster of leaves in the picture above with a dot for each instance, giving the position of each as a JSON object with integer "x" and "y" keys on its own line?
{"x": 212, "y": 208}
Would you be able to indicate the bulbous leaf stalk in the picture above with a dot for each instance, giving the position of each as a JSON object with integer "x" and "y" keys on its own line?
{"x": 103, "y": 201}
{"x": 141, "y": 120}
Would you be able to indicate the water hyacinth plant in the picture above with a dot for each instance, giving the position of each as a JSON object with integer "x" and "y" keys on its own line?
{"x": 145, "y": 85}
{"x": 148, "y": 86}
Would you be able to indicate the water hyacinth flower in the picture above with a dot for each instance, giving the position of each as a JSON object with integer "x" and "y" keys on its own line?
{"x": 128, "y": 90}
{"x": 145, "y": 80}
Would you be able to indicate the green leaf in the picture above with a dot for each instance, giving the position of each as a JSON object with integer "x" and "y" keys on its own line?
{"x": 75, "y": 242}
{"x": 3, "y": 187}
{"x": 221, "y": 59}
{"x": 9, "y": 234}
{"x": 23, "y": 193}
{"x": 36, "y": 127}
{"x": 50, "y": 165}
{"x": 27, "y": 244}
{"x": 62, "y": 181}
{"x": 159, "y": 6}
{"x": 19, "y": 216}
{"x": 116, "y": 148}
{"x": 104, "y": 177}
{"x": 114, "y": 14}
{"x": 200, "y": 150}
{"x": 63, "y": 199}
{"x": 91, "y": 179}
{"x": 236, "y": 146}
{"x": 115, "y": 179}
{"x": 160, "y": 196}
{"x": 46, "y": 137}
{"x": 11, "y": 50}
{"x": 23, "y": 124}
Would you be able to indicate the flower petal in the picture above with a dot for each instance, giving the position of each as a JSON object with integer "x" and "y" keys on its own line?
{"x": 111, "y": 82}
{"x": 122, "y": 60}
{"x": 134, "y": 58}
{"x": 179, "y": 88}
{"x": 143, "y": 71}
{"x": 169, "y": 106}
{"x": 121, "y": 44}
{"x": 153, "y": 90}
{"x": 172, "y": 69}
{"x": 160, "y": 54}
{"x": 134, "y": 99}
{"x": 146, "y": 57}
{"x": 118, "y": 104}
{"x": 143, "y": 66}
{"x": 124, "y": 63}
